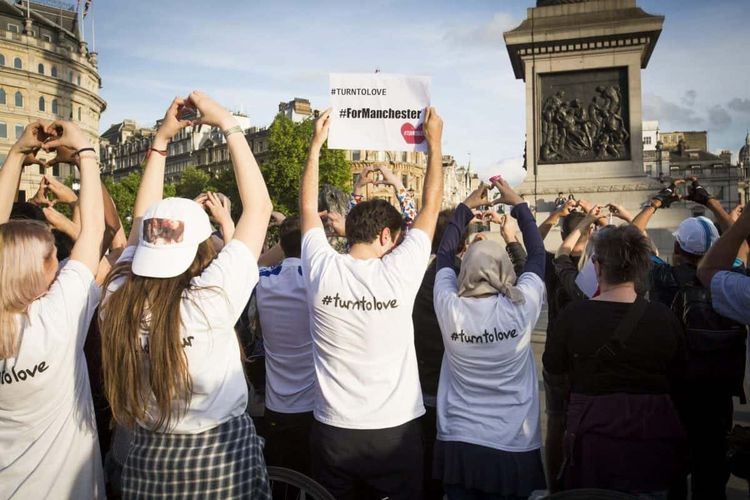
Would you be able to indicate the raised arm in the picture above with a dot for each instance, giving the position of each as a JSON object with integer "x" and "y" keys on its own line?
{"x": 405, "y": 200}
{"x": 308, "y": 195}
{"x": 10, "y": 174}
{"x": 151, "y": 189}
{"x": 536, "y": 259}
{"x": 662, "y": 199}
{"x": 432, "y": 194}
{"x": 551, "y": 221}
{"x": 256, "y": 203}
{"x": 699, "y": 194}
{"x": 462, "y": 215}
{"x": 570, "y": 242}
{"x": 721, "y": 255}
{"x": 87, "y": 246}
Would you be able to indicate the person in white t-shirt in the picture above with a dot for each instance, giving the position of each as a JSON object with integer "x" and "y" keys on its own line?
{"x": 290, "y": 374}
{"x": 170, "y": 355}
{"x": 489, "y": 440}
{"x": 366, "y": 433}
{"x": 48, "y": 441}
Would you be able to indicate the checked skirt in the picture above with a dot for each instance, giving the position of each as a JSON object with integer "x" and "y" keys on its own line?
{"x": 223, "y": 462}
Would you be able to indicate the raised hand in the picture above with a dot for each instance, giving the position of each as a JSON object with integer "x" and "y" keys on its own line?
{"x": 336, "y": 222}
{"x": 478, "y": 197}
{"x": 63, "y": 193}
{"x": 172, "y": 122}
{"x": 507, "y": 195}
{"x": 33, "y": 138}
{"x": 219, "y": 207}
{"x": 592, "y": 215}
{"x": 67, "y": 134}
{"x": 320, "y": 132}
{"x": 433, "y": 127}
{"x": 492, "y": 216}
{"x": 697, "y": 193}
{"x": 668, "y": 195}
{"x": 64, "y": 154}
{"x": 211, "y": 112}
{"x": 619, "y": 212}
{"x": 389, "y": 177}
{"x": 40, "y": 197}
{"x": 566, "y": 208}
{"x": 276, "y": 219}
{"x": 736, "y": 212}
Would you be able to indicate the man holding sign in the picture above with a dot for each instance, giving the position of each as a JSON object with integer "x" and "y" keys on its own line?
{"x": 378, "y": 112}
{"x": 367, "y": 432}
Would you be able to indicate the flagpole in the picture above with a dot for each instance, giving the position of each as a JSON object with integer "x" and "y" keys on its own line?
{"x": 93, "y": 28}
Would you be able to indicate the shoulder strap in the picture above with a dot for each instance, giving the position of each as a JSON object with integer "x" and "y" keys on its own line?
{"x": 623, "y": 331}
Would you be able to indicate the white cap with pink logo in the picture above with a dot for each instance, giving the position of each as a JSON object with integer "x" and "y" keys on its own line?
{"x": 171, "y": 232}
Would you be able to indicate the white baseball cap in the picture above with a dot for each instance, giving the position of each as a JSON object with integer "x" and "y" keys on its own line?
{"x": 171, "y": 231}
{"x": 696, "y": 235}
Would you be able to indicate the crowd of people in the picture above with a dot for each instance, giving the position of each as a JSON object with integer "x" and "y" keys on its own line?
{"x": 400, "y": 367}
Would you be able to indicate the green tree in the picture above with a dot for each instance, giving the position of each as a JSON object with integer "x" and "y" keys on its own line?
{"x": 193, "y": 182}
{"x": 123, "y": 193}
{"x": 288, "y": 143}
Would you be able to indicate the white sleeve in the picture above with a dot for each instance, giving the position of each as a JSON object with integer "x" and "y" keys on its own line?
{"x": 409, "y": 260}
{"x": 730, "y": 295}
{"x": 68, "y": 300}
{"x": 444, "y": 295}
{"x": 315, "y": 249}
{"x": 534, "y": 291}
{"x": 235, "y": 271}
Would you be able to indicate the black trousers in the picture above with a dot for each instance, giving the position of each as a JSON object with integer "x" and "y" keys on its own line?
{"x": 708, "y": 419}
{"x": 433, "y": 488}
{"x": 286, "y": 435}
{"x": 369, "y": 464}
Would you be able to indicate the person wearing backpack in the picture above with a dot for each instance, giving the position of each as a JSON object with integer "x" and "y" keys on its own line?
{"x": 715, "y": 347}
{"x": 625, "y": 359}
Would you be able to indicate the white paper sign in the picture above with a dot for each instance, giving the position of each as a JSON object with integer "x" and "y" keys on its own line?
{"x": 377, "y": 111}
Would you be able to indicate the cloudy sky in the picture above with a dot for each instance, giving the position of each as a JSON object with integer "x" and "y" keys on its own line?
{"x": 253, "y": 55}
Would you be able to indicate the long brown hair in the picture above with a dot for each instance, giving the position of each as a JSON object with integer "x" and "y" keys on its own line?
{"x": 150, "y": 305}
{"x": 25, "y": 247}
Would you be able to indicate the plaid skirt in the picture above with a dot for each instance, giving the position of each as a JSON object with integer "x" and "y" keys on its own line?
{"x": 223, "y": 462}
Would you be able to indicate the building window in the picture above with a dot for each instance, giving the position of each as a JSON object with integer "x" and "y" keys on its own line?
{"x": 55, "y": 107}
{"x": 78, "y": 80}
{"x": 19, "y": 99}
{"x": 356, "y": 155}
{"x": 404, "y": 156}
{"x": 19, "y": 131}
{"x": 647, "y": 140}
{"x": 53, "y": 71}
{"x": 3, "y": 130}
{"x": 40, "y": 69}
{"x": 79, "y": 114}
{"x": 2, "y": 60}
{"x": 17, "y": 63}
{"x": 70, "y": 76}
{"x": 47, "y": 38}
{"x": 2, "y": 96}
{"x": 42, "y": 104}
{"x": 14, "y": 28}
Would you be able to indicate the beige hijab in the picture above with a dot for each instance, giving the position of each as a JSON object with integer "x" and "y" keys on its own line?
{"x": 486, "y": 269}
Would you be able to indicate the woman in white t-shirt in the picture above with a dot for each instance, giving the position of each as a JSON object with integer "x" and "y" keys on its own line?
{"x": 48, "y": 440}
{"x": 488, "y": 442}
{"x": 171, "y": 359}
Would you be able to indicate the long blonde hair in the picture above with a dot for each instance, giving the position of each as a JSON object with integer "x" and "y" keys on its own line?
{"x": 25, "y": 246}
{"x": 152, "y": 305}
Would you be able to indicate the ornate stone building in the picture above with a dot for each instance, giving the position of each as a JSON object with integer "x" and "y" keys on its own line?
{"x": 46, "y": 72}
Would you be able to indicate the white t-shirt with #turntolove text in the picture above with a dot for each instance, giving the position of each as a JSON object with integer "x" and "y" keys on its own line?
{"x": 362, "y": 327}
{"x": 488, "y": 392}
{"x": 287, "y": 341}
{"x": 209, "y": 312}
{"x": 48, "y": 441}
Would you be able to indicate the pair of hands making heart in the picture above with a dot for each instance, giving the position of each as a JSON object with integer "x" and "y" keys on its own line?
{"x": 63, "y": 138}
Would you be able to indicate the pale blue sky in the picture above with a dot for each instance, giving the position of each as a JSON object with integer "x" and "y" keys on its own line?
{"x": 253, "y": 55}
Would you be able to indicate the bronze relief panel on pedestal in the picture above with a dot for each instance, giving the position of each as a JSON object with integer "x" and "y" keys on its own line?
{"x": 584, "y": 116}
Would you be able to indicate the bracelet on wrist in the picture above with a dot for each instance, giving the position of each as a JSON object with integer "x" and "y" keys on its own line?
{"x": 232, "y": 130}
{"x": 162, "y": 152}
{"x": 83, "y": 150}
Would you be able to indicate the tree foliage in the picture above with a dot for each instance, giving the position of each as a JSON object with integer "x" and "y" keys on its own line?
{"x": 288, "y": 143}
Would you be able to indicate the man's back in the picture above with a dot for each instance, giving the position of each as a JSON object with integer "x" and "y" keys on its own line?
{"x": 360, "y": 312}
{"x": 284, "y": 319}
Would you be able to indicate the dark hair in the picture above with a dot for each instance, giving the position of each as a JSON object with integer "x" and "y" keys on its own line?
{"x": 623, "y": 253}
{"x": 290, "y": 236}
{"x": 26, "y": 210}
{"x": 570, "y": 222}
{"x": 367, "y": 219}
{"x": 63, "y": 243}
